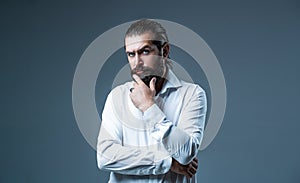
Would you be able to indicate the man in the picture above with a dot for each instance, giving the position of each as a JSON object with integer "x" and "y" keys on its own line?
{"x": 153, "y": 126}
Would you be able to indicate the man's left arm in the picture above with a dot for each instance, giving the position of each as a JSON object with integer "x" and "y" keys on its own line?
{"x": 183, "y": 140}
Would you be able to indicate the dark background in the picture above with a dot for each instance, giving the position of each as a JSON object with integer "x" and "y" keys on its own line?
{"x": 256, "y": 43}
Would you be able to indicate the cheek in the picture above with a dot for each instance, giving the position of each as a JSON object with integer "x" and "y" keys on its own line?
{"x": 152, "y": 61}
{"x": 131, "y": 66}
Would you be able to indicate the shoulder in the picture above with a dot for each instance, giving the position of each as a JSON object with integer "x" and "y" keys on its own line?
{"x": 121, "y": 89}
{"x": 194, "y": 95}
{"x": 191, "y": 87}
{"x": 118, "y": 95}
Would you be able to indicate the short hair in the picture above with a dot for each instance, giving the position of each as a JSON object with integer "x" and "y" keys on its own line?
{"x": 158, "y": 31}
{"x": 149, "y": 26}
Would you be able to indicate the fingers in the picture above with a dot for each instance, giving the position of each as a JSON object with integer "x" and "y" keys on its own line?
{"x": 188, "y": 170}
{"x": 152, "y": 84}
{"x": 189, "y": 175}
{"x": 137, "y": 79}
{"x": 195, "y": 163}
{"x": 192, "y": 169}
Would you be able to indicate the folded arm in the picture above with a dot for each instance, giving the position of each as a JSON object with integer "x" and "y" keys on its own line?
{"x": 113, "y": 155}
{"x": 183, "y": 140}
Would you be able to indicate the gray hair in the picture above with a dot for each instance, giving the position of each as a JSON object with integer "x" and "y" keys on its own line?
{"x": 145, "y": 26}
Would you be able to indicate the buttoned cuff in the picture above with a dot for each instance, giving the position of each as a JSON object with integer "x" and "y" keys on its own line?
{"x": 153, "y": 114}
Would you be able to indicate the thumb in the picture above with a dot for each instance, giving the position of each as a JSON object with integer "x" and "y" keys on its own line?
{"x": 152, "y": 84}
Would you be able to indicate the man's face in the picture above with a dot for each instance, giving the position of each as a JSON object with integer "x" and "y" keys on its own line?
{"x": 143, "y": 56}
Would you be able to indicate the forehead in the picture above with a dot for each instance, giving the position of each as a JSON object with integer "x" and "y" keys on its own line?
{"x": 135, "y": 42}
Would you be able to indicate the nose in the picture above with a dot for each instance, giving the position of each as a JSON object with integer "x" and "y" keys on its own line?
{"x": 138, "y": 60}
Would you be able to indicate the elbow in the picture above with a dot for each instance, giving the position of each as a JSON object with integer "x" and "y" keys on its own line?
{"x": 101, "y": 166}
{"x": 101, "y": 162}
{"x": 187, "y": 155}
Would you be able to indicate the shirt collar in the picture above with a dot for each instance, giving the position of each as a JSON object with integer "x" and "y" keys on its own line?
{"x": 171, "y": 82}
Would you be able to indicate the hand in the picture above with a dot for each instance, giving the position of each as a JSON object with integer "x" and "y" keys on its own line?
{"x": 142, "y": 96}
{"x": 188, "y": 170}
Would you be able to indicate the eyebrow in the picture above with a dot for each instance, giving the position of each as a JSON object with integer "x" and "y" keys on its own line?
{"x": 144, "y": 47}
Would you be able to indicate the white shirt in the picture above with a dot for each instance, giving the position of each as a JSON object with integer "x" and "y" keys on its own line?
{"x": 137, "y": 146}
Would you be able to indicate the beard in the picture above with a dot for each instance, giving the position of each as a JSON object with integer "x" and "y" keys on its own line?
{"x": 149, "y": 73}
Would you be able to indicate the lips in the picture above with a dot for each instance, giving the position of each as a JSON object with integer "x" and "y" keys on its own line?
{"x": 139, "y": 71}
{"x": 143, "y": 71}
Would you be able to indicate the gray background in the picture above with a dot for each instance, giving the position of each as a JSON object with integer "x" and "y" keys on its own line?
{"x": 256, "y": 43}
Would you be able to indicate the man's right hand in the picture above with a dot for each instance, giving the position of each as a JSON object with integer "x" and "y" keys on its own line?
{"x": 188, "y": 170}
{"x": 142, "y": 96}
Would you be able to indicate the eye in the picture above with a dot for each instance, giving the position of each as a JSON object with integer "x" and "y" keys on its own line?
{"x": 146, "y": 52}
{"x": 130, "y": 54}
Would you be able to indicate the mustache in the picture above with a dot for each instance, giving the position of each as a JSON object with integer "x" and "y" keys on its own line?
{"x": 146, "y": 71}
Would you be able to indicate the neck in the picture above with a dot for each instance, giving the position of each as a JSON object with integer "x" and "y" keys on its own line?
{"x": 159, "y": 85}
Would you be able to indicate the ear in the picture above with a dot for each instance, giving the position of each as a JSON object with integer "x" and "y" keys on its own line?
{"x": 166, "y": 50}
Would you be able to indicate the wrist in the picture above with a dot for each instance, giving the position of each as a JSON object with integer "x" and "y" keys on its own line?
{"x": 147, "y": 105}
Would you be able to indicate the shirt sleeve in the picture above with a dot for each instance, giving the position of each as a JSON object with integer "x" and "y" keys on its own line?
{"x": 183, "y": 140}
{"x": 112, "y": 155}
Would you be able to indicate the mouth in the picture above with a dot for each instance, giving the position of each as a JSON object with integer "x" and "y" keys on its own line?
{"x": 143, "y": 71}
{"x": 139, "y": 71}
